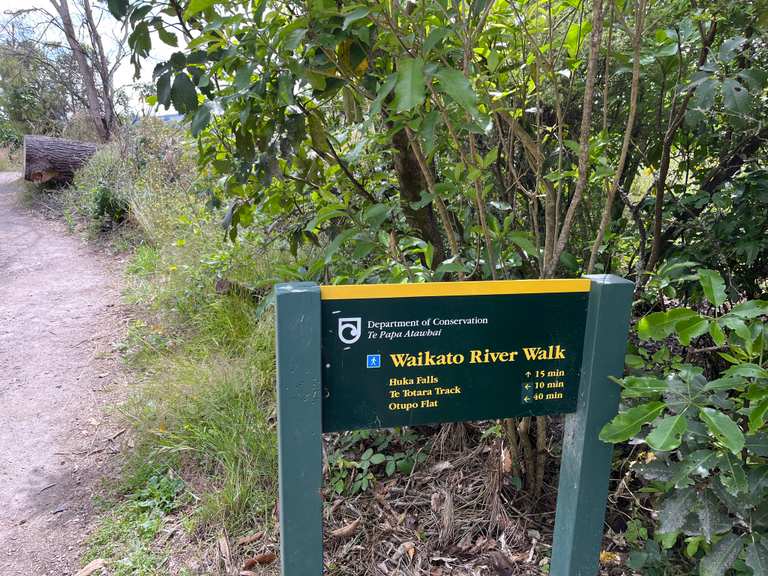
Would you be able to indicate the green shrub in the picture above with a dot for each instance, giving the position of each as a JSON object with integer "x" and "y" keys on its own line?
{"x": 145, "y": 166}
{"x": 10, "y": 143}
{"x": 707, "y": 428}
{"x": 127, "y": 530}
{"x": 10, "y": 138}
{"x": 107, "y": 204}
{"x": 9, "y": 161}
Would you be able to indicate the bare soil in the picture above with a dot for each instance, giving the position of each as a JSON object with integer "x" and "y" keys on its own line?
{"x": 59, "y": 319}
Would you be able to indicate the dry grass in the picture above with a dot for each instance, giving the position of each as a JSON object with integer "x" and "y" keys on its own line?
{"x": 459, "y": 513}
{"x": 10, "y": 161}
{"x": 436, "y": 521}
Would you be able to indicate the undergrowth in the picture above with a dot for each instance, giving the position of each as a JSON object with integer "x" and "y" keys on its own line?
{"x": 201, "y": 409}
{"x": 9, "y": 160}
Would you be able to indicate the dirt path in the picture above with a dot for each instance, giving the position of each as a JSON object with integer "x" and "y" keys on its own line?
{"x": 59, "y": 318}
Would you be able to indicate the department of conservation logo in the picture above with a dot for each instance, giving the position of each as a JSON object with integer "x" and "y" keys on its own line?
{"x": 350, "y": 330}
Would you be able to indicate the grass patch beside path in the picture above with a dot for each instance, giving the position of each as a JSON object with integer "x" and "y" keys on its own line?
{"x": 202, "y": 463}
{"x": 202, "y": 415}
{"x": 200, "y": 404}
{"x": 10, "y": 160}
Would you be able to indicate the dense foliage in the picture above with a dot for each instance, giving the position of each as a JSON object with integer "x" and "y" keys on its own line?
{"x": 452, "y": 138}
{"x": 9, "y": 136}
{"x": 709, "y": 432}
{"x": 39, "y": 87}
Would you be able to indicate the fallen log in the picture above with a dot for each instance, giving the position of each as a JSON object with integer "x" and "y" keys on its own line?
{"x": 54, "y": 159}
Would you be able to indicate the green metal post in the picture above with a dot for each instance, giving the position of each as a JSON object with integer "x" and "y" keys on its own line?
{"x": 299, "y": 426}
{"x": 586, "y": 462}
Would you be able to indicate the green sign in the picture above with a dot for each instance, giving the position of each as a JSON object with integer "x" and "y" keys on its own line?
{"x": 396, "y": 355}
{"x": 373, "y": 356}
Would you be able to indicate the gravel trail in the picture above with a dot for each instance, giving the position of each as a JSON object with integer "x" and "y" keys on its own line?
{"x": 59, "y": 318}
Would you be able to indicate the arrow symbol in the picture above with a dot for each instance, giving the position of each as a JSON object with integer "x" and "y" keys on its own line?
{"x": 528, "y": 374}
{"x": 527, "y": 399}
{"x": 527, "y": 385}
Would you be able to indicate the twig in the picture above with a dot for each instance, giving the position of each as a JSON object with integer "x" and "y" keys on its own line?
{"x": 635, "y": 89}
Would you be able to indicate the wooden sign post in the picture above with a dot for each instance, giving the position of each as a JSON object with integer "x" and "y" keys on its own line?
{"x": 376, "y": 356}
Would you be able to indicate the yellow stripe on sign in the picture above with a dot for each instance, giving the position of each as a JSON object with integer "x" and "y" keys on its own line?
{"x": 483, "y": 288}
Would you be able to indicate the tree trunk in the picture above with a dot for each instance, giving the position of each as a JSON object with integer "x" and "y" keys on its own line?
{"x": 412, "y": 186}
{"x": 101, "y": 65}
{"x": 89, "y": 83}
{"x": 56, "y": 159}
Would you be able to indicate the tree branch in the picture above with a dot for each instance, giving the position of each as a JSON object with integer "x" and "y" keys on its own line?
{"x": 586, "y": 119}
{"x": 635, "y": 89}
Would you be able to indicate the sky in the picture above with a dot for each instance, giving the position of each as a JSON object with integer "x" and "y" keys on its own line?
{"x": 110, "y": 30}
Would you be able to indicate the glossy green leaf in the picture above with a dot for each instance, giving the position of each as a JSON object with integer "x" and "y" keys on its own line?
{"x": 753, "y": 78}
{"x": 749, "y": 309}
{"x": 757, "y": 415}
{"x": 409, "y": 89}
{"x": 717, "y": 334}
{"x": 722, "y": 556}
{"x": 167, "y": 36}
{"x": 140, "y": 40}
{"x": 576, "y": 36}
{"x": 736, "y": 98}
{"x": 164, "y": 90}
{"x": 118, "y": 8}
{"x": 523, "y": 240}
{"x": 729, "y": 49}
{"x": 704, "y": 96}
{"x": 337, "y": 243}
{"x": 691, "y": 328}
{"x": 435, "y": 36}
{"x": 668, "y": 433}
{"x": 355, "y": 15}
{"x": 666, "y": 50}
{"x": 183, "y": 93}
{"x": 683, "y": 390}
{"x": 196, "y": 6}
{"x": 713, "y": 285}
{"x": 317, "y": 132}
{"x": 724, "y": 429}
{"x": 627, "y": 424}
{"x": 642, "y": 386}
{"x": 713, "y": 518}
{"x": 378, "y": 458}
{"x": 293, "y": 38}
{"x": 243, "y": 76}
{"x": 725, "y": 383}
{"x": 747, "y": 370}
{"x": 757, "y": 557}
{"x": 757, "y": 479}
{"x": 447, "y": 267}
{"x": 675, "y": 509}
{"x": 383, "y": 92}
{"x": 201, "y": 119}
{"x": 659, "y": 325}
{"x": 759, "y": 516}
{"x": 375, "y": 215}
{"x": 455, "y": 84}
{"x": 699, "y": 463}
{"x": 758, "y": 444}
{"x": 730, "y": 486}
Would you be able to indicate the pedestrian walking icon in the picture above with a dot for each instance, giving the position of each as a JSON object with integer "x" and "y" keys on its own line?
{"x": 374, "y": 361}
